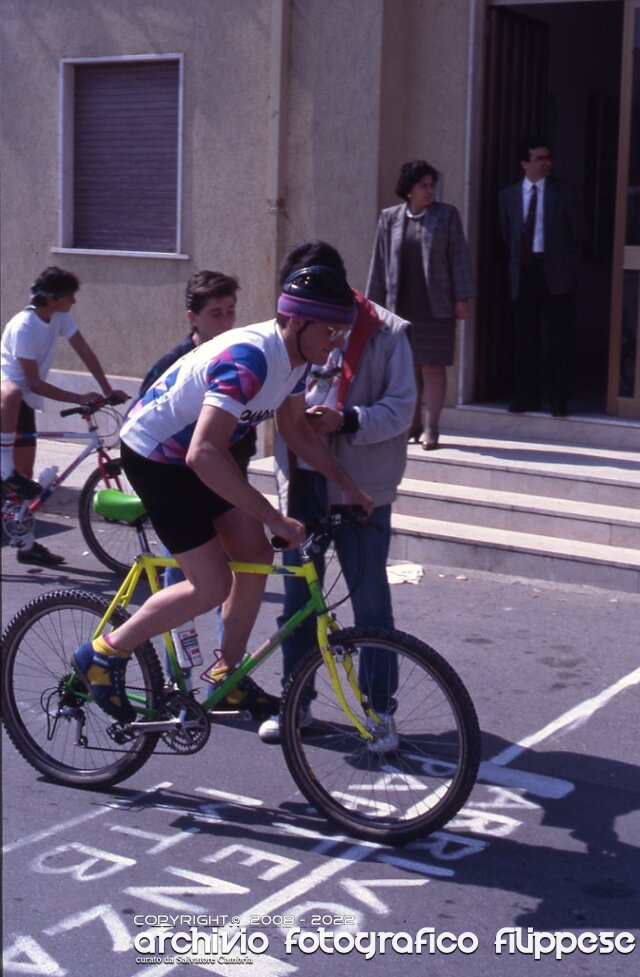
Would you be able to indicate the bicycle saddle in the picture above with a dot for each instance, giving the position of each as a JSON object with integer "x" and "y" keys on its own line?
{"x": 112, "y": 504}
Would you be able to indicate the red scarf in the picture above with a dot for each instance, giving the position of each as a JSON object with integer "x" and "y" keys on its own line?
{"x": 363, "y": 328}
{"x": 367, "y": 322}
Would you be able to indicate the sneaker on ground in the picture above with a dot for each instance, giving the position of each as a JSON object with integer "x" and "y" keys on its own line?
{"x": 269, "y": 731}
{"x": 25, "y": 487}
{"x": 248, "y": 696}
{"x": 103, "y": 677}
{"x": 40, "y": 556}
{"x": 386, "y": 736}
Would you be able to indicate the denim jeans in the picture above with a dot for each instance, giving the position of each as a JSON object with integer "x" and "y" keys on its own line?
{"x": 362, "y": 553}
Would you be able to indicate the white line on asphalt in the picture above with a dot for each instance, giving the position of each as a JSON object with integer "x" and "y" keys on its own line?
{"x": 307, "y": 884}
{"x": 570, "y": 720}
{"x": 55, "y": 829}
{"x": 223, "y": 795}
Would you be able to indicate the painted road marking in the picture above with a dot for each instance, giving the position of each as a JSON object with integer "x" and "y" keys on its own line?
{"x": 570, "y": 720}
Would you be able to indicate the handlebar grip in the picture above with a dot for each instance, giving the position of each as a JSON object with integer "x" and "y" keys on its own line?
{"x": 110, "y": 401}
{"x": 279, "y": 543}
{"x": 114, "y": 401}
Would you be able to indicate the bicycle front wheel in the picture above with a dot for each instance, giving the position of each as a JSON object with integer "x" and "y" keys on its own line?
{"x": 421, "y": 766}
{"x": 115, "y": 544}
{"x": 66, "y": 737}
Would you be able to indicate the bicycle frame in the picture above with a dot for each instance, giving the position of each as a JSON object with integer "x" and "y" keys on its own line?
{"x": 148, "y": 566}
{"x": 94, "y": 444}
{"x": 94, "y": 440}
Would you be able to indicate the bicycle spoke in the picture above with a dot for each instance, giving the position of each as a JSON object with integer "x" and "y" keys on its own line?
{"x": 423, "y": 774}
{"x": 64, "y": 735}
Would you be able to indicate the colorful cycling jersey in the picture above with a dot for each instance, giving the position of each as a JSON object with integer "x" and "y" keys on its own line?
{"x": 246, "y": 372}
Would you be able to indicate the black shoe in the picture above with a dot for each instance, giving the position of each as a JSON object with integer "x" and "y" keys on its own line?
{"x": 559, "y": 410}
{"x": 26, "y": 488}
{"x": 522, "y": 405}
{"x": 248, "y": 696}
{"x": 40, "y": 556}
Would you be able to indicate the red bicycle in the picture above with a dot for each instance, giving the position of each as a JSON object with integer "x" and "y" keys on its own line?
{"x": 112, "y": 541}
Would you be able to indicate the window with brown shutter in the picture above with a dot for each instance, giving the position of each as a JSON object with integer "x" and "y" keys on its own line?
{"x": 123, "y": 140}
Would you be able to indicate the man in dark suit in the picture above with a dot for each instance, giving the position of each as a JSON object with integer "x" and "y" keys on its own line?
{"x": 541, "y": 223}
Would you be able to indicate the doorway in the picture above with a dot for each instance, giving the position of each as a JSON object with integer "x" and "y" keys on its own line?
{"x": 552, "y": 68}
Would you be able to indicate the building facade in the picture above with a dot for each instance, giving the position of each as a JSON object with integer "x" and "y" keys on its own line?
{"x": 144, "y": 139}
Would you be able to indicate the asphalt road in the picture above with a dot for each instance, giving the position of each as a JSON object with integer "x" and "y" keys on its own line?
{"x": 548, "y": 840}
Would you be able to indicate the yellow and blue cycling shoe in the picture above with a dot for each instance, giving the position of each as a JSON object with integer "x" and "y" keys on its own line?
{"x": 102, "y": 675}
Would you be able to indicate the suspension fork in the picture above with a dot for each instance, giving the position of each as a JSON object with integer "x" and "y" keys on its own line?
{"x": 327, "y": 625}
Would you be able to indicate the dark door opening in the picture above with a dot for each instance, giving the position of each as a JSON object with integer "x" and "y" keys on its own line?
{"x": 551, "y": 68}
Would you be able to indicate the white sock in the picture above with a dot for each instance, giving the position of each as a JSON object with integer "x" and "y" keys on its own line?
{"x": 27, "y": 542}
{"x": 7, "y": 441}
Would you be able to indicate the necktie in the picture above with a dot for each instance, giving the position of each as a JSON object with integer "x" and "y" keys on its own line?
{"x": 529, "y": 228}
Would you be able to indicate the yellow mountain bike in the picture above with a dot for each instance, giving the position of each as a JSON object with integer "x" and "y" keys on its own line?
{"x": 392, "y": 751}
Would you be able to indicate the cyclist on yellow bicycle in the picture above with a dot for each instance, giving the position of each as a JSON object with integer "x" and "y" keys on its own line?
{"x": 175, "y": 451}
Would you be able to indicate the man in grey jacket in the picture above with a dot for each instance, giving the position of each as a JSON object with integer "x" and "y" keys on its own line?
{"x": 362, "y": 401}
{"x": 541, "y": 223}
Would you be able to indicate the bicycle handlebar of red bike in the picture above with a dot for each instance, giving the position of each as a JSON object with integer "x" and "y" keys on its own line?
{"x": 87, "y": 409}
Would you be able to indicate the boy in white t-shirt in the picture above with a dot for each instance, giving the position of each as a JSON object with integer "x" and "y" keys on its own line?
{"x": 28, "y": 345}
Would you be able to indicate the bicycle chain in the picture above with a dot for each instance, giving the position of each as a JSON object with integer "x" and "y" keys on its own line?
{"x": 181, "y": 741}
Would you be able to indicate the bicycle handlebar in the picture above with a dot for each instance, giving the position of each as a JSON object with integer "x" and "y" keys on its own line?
{"x": 354, "y": 515}
{"x": 88, "y": 409}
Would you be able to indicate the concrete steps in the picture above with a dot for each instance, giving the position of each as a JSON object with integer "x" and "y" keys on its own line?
{"x": 547, "y": 498}
{"x": 587, "y": 522}
{"x": 538, "y": 509}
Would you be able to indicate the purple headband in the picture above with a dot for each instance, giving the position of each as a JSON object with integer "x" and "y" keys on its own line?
{"x": 290, "y": 305}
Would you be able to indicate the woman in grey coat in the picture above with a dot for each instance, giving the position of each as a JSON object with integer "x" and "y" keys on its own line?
{"x": 421, "y": 270}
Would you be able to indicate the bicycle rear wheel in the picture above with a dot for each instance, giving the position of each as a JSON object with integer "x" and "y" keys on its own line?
{"x": 68, "y": 738}
{"x": 114, "y": 543}
{"x": 420, "y": 772}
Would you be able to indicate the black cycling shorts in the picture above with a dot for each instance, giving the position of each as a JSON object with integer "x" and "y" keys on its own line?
{"x": 26, "y": 426}
{"x": 181, "y": 507}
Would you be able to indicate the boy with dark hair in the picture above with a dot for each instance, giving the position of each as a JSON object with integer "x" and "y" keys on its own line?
{"x": 27, "y": 349}
{"x": 361, "y": 402}
{"x": 210, "y": 301}
{"x": 211, "y": 309}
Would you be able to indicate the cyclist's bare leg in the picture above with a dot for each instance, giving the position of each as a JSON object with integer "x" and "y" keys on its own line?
{"x": 244, "y": 541}
{"x": 207, "y": 585}
{"x": 10, "y": 400}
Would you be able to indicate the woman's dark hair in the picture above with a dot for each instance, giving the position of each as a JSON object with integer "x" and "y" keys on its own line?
{"x": 411, "y": 173}
{"x": 53, "y": 281}
{"x": 205, "y": 285}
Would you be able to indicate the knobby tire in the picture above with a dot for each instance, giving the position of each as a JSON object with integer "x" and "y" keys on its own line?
{"x": 37, "y": 645}
{"x": 404, "y": 792}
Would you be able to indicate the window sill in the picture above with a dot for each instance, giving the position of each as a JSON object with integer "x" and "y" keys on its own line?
{"x": 122, "y": 254}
